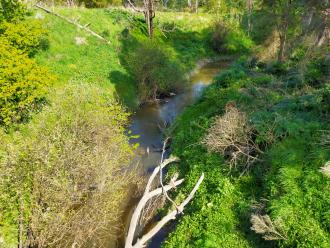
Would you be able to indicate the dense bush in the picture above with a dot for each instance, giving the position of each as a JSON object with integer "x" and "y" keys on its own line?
{"x": 28, "y": 36}
{"x": 66, "y": 175}
{"x": 156, "y": 73}
{"x": 23, "y": 84}
{"x": 229, "y": 40}
{"x": 11, "y": 10}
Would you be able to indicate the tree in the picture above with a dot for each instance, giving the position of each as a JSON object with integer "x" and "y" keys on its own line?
{"x": 148, "y": 10}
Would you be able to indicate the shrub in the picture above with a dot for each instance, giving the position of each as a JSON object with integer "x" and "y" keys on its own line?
{"x": 232, "y": 76}
{"x": 28, "y": 36}
{"x": 276, "y": 68}
{"x": 218, "y": 39}
{"x": 229, "y": 40}
{"x": 231, "y": 136}
{"x": 69, "y": 174}
{"x": 11, "y": 10}
{"x": 155, "y": 72}
{"x": 263, "y": 225}
{"x": 263, "y": 80}
{"x": 23, "y": 84}
{"x": 100, "y": 3}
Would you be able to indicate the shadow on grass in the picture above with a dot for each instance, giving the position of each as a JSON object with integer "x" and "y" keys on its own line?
{"x": 125, "y": 88}
{"x": 183, "y": 50}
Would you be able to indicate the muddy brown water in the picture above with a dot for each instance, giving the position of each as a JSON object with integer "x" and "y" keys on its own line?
{"x": 148, "y": 119}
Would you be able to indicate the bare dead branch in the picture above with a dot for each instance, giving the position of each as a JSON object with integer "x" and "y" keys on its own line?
{"x": 262, "y": 224}
{"x": 134, "y": 7}
{"x": 74, "y": 22}
{"x": 170, "y": 216}
{"x": 326, "y": 169}
{"x": 232, "y": 137}
{"x": 148, "y": 194}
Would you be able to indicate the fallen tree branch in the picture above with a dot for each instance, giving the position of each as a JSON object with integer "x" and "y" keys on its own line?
{"x": 150, "y": 194}
{"x": 161, "y": 176}
{"x": 74, "y": 22}
{"x": 170, "y": 216}
{"x": 134, "y": 7}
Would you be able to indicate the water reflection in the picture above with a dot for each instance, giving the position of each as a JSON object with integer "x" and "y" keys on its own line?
{"x": 149, "y": 119}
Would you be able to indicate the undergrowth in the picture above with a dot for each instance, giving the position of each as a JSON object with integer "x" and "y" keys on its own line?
{"x": 285, "y": 184}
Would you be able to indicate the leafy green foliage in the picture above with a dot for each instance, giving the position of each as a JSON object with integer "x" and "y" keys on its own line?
{"x": 286, "y": 127}
{"x": 228, "y": 39}
{"x": 28, "y": 36}
{"x": 99, "y": 3}
{"x": 23, "y": 84}
{"x": 156, "y": 74}
{"x": 11, "y": 10}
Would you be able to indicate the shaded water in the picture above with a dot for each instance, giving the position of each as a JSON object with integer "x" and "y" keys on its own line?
{"x": 146, "y": 123}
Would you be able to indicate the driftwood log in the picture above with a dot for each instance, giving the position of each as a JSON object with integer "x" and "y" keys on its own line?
{"x": 148, "y": 194}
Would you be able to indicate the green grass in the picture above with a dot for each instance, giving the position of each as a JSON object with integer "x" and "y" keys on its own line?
{"x": 91, "y": 62}
{"x": 287, "y": 179}
{"x": 99, "y": 63}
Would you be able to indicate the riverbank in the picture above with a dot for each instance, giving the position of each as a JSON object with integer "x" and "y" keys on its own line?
{"x": 285, "y": 182}
{"x": 149, "y": 122}
{"x": 75, "y": 56}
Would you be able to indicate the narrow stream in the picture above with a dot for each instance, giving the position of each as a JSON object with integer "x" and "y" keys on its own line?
{"x": 147, "y": 122}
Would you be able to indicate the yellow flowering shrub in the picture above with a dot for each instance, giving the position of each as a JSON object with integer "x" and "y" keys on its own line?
{"x": 28, "y": 36}
{"x": 23, "y": 84}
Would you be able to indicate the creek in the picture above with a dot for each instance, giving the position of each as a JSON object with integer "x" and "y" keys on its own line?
{"x": 149, "y": 120}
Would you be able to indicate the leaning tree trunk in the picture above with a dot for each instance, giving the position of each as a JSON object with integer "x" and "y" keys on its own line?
{"x": 283, "y": 30}
{"x": 283, "y": 37}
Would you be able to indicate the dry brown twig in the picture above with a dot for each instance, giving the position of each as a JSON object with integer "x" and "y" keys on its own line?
{"x": 231, "y": 136}
{"x": 262, "y": 224}
{"x": 326, "y": 169}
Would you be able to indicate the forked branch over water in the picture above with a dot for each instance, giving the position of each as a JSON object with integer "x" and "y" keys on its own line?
{"x": 148, "y": 194}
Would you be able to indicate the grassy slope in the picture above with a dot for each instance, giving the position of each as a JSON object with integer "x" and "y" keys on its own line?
{"x": 91, "y": 62}
{"x": 297, "y": 194}
{"x": 96, "y": 62}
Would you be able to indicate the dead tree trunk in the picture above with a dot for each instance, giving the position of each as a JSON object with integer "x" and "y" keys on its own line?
{"x": 149, "y": 15}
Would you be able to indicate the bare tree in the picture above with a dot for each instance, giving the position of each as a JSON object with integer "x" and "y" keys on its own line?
{"x": 148, "y": 10}
{"x": 149, "y": 194}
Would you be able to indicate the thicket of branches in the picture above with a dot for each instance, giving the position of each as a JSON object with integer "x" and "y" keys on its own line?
{"x": 66, "y": 183}
{"x": 232, "y": 136}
